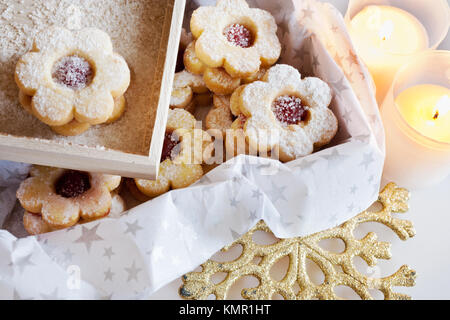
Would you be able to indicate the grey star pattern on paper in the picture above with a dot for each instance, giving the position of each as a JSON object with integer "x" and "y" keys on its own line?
{"x": 108, "y": 253}
{"x": 48, "y": 248}
{"x": 22, "y": 263}
{"x": 339, "y": 86}
{"x": 252, "y": 215}
{"x": 286, "y": 224}
{"x": 277, "y": 193}
{"x": 236, "y": 179}
{"x": 50, "y": 296}
{"x": 16, "y": 296}
{"x": 234, "y": 234}
{"x": 305, "y": 164}
{"x": 256, "y": 194}
{"x": 109, "y": 275}
{"x": 234, "y": 202}
{"x": 89, "y": 236}
{"x": 244, "y": 171}
{"x": 367, "y": 161}
{"x": 335, "y": 155}
{"x": 174, "y": 198}
{"x": 307, "y": 13}
{"x": 353, "y": 189}
{"x": 133, "y": 272}
{"x": 133, "y": 228}
{"x": 70, "y": 228}
{"x": 205, "y": 180}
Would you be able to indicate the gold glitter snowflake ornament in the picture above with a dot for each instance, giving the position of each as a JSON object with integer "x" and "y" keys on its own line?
{"x": 338, "y": 268}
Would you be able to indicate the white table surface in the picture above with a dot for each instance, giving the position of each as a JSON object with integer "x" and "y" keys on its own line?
{"x": 428, "y": 252}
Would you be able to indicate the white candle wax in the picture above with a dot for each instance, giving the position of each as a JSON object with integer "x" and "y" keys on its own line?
{"x": 416, "y": 118}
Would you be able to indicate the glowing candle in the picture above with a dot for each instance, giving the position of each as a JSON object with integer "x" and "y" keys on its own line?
{"x": 416, "y": 118}
{"x": 383, "y": 37}
{"x": 427, "y": 109}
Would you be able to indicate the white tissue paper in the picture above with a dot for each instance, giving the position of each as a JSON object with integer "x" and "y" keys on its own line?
{"x": 151, "y": 245}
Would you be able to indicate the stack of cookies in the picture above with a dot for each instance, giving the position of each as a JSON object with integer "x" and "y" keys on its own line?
{"x": 258, "y": 107}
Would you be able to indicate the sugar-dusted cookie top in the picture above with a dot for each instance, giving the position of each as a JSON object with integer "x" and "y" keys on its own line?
{"x": 72, "y": 75}
{"x": 284, "y": 110}
{"x": 234, "y": 36}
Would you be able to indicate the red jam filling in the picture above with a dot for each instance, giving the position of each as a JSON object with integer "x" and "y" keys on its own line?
{"x": 289, "y": 110}
{"x": 170, "y": 149}
{"x": 180, "y": 63}
{"x": 239, "y": 35}
{"x": 72, "y": 184}
{"x": 74, "y": 72}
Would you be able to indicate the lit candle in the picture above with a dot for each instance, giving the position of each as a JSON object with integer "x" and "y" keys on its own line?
{"x": 427, "y": 109}
{"x": 383, "y": 36}
{"x": 387, "y": 33}
{"x": 416, "y": 118}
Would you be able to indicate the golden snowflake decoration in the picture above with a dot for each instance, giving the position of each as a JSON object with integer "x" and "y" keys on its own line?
{"x": 199, "y": 285}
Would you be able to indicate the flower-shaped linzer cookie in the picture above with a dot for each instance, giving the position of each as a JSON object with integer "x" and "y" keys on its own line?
{"x": 72, "y": 75}
{"x": 185, "y": 149}
{"x": 234, "y": 36}
{"x": 61, "y": 197}
{"x": 287, "y": 112}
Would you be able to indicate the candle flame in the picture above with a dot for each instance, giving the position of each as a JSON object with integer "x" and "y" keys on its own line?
{"x": 386, "y": 30}
{"x": 442, "y": 107}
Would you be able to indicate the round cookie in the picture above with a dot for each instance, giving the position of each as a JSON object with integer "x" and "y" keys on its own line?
{"x": 220, "y": 82}
{"x": 72, "y": 75}
{"x": 63, "y": 197}
{"x": 185, "y": 84}
{"x": 220, "y": 116}
{"x": 236, "y": 37}
{"x": 35, "y": 225}
{"x": 73, "y": 128}
{"x": 182, "y": 156}
{"x": 286, "y": 113}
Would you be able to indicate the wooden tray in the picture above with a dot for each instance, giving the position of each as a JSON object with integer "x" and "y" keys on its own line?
{"x": 146, "y": 33}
